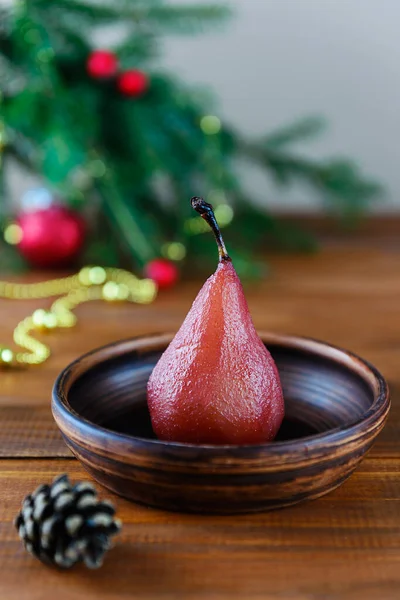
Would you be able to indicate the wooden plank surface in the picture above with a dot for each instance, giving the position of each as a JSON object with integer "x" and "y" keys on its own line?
{"x": 344, "y": 546}
{"x": 30, "y": 433}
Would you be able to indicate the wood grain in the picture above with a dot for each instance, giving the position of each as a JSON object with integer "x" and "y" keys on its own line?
{"x": 344, "y": 546}
{"x": 30, "y": 432}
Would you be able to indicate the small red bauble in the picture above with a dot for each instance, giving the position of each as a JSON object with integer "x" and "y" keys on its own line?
{"x": 52, "y": 237}
{"x": 133, "y": 83}
{"x": 163, "y": 272}
{"x": 102, "y": 64}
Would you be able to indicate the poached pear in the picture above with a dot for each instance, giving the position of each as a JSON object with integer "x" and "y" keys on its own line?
{"x": 216, "y": 383}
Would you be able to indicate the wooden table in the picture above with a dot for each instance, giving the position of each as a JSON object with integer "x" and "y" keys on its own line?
{"x": 343, "y": 546}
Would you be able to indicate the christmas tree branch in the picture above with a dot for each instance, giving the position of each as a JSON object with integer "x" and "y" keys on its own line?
{"x": 125, "y": 220}
{"x": 299, "y": 131}
{"x": 338, "y": 180}
{"x": 184, "y": 19}
{"x": 22, "y": 149}
{"x": 172, "y": 19}
{"x": 139, "y": 47}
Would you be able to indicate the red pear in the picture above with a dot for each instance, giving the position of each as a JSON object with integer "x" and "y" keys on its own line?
{"x": 216, "y": 383}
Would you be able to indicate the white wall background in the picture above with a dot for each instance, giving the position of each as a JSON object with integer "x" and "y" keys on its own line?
{"x": 278, "y": 60}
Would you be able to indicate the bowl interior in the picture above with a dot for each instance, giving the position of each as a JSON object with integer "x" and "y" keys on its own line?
{"x": 320, "y": 393}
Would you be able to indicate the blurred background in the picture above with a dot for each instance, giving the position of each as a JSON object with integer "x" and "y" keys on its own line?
{"x": 114, "y": 113}
{"x": 281, "y": 59}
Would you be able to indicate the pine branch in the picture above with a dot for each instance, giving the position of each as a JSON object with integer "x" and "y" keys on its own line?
{"x": 126, "y": 221}
{"x": 68, "y": 43}
{"x": 299, "y": 131}
{"x": 172, "y": 19}
{"x": 12, "y": 78}
{"x": 6, "y": 13}
{"x": 184, "y": 19}
{"x": 339, "y": 181}
{"x": 95, "y": 13}
{"x": 139, "y": 47}
{"x": 22, "y": 149}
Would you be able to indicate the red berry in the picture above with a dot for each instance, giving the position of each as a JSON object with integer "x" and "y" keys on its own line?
{"x": 51, "y": 237}
{"x": 133, "y": 83}
{"x": 102, "y": 64}
{"x": 163, "y": 272}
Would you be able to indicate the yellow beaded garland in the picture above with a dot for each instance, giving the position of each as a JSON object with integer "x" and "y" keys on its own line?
{"x": 91, "y": 283}
{"x": 6, "y": 356}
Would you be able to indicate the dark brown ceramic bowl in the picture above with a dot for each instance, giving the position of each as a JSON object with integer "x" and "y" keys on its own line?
{"x": 336, "y": 404}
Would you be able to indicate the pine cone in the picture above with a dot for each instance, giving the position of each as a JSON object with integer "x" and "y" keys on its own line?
{"x": 63, "y": 524}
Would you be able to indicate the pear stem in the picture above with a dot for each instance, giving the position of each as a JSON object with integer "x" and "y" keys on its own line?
{"x": 206, "y": 211}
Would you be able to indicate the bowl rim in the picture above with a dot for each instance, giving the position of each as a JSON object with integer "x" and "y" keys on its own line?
{"x": 63, "y": 413}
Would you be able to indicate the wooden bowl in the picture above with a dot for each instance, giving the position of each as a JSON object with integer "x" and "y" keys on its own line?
{"x": 336, "y": 404}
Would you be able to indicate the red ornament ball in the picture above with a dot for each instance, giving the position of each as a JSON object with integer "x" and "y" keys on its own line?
{"x": 51, "y": 237}
{"x": 163, "y": 272}
{"x": 102, "y": 64}
{"x": 133, "y": 83}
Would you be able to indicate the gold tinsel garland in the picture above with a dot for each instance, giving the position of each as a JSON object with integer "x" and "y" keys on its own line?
{"x": 90, "y": 283}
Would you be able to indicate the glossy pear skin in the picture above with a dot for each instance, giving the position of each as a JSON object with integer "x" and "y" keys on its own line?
{"x": 216, "y": 383}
